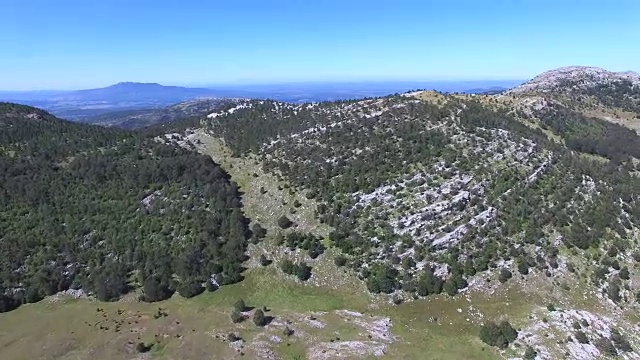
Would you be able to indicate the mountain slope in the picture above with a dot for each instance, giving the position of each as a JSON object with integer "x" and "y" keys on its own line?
{"x": 108, "y": 211}
{"x": 445, "y": 195}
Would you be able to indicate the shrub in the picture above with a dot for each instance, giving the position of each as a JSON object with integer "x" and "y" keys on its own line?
{"x": 239, "y": 306}
{"x": 143, "y": 348}
{"x": 504, "y": 275}
{"x": 301, "y": 270}
{"x": 508, "y": 331}
{"x": 340, "y": 260}
{"x": 258, "y": 231}
{"x": 576, "y": 325}
{"x": 498, "y": 335}
{"x": 264, "y": 261}
{"x": 490, "y": 335}
{"x": 284, "y": 222}
{"x": 211, "y": 286}
{"x": 190, "y": 288}
{"x": 156, "y": 289}
{"x": 620, "y": 341}
{"x": 624, "y": 273}
{"x": 7, "y": 303}
{"x": 606, "y": 347}
{"x": 236, "y": 317}
{"x": 382, "y": 279}
{"x": 581, "y": 337}
{"x": 530, "y": 353}
{"x": 450, "y": 287}
{"x": 259, "y": 319}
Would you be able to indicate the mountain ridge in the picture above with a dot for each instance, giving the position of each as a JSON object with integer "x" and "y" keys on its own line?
{"x": 574, "y": 76}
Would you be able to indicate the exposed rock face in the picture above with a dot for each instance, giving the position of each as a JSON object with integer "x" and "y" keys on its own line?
{"x": 576, "y": 77}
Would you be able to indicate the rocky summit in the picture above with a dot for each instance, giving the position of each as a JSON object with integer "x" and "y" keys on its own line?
{"x": 574, "y": 77}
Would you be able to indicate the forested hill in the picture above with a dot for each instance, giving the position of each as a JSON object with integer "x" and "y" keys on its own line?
{"x": 427, "y": 190}
{"x": 30, "y": 131}
{"x": 107, "y": 211}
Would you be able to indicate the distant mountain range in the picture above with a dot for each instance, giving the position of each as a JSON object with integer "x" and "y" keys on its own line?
{"x": 86, "y": 105}
{"x": 126, "y": 96}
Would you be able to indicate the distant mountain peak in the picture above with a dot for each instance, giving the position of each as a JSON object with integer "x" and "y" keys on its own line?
{"x": 133, "y": 84}
{"x": 574, "y": 77}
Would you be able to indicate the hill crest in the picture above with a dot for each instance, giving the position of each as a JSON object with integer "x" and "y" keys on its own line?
{"x": 574, "y": 77}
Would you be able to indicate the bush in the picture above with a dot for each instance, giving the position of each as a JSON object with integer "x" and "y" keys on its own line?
{"x": 530, "y": 353}
{"x": 576, "y": 325}
{"x": 284, "y": 222}
{"x": 211, "y": 287}
{"x": 606, "y": 347}
{"x": 450, "y": 287}
{"x": 490, "y": 335}
{"x": 258, "y": 231}
{"x": 581, "y": 337}
{"x": 143, "y": 348}
{"x": 239, "y": 305}
{"x": 508, "y": 331}
{"x": 500, "y": 336}
{"x": 504, "y": 275}
{"x": 301, "y": 270}
{"x": 340, "y": 260}
{"x": 156, "y": 289}
{"x": 236, "y": 317}
{"x": 428, "y": 283}
{"x": 624, "y": 273}
{"x": 191, "y": 288}
{"x": 620, "y": 341}
{"x": 7, "y": 303}
{"x": 288, "y": 331}
{"x": 382, "y": 279}
{"x": 264, "y": 261}
{"x": 397, "y": 300}
{"x": 613, "y": 291}
{"x": 259, "y": 319}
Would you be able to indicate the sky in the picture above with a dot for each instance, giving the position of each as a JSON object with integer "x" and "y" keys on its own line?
{"x": 73, "y": 44}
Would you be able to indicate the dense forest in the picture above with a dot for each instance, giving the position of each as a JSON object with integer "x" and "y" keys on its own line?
{"x": 105, "y": 211}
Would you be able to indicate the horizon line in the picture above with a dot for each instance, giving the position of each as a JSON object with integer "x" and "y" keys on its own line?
{"x": 211, "y": 86}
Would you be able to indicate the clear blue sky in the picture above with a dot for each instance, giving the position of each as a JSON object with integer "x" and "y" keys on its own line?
{"x": 67, "y": 44}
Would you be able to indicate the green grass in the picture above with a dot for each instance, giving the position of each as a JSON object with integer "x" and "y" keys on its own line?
{"x": 267, "y": 286}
